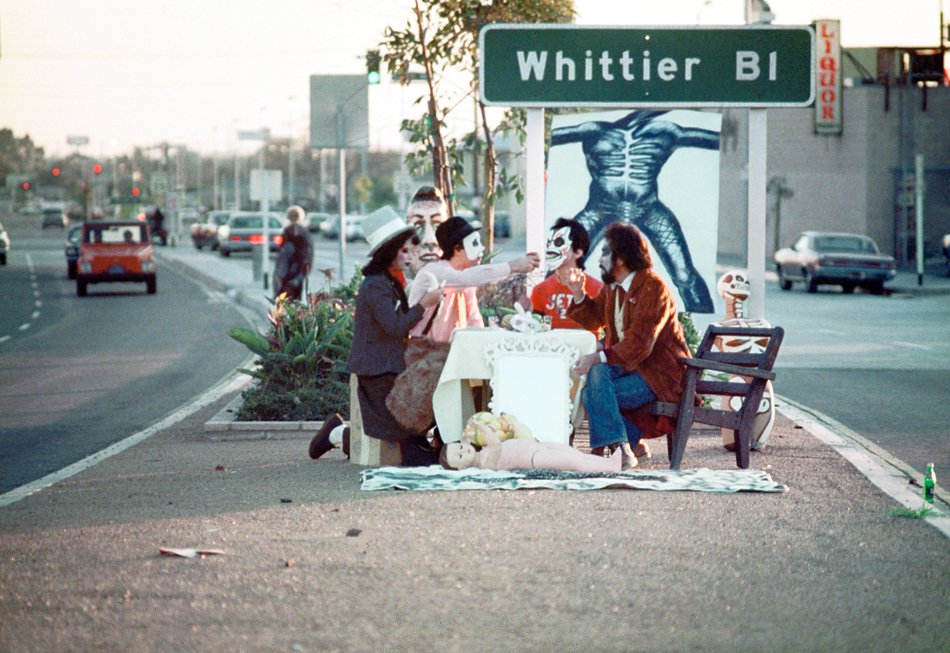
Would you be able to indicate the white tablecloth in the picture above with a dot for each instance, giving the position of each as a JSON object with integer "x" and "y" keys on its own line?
{"x": 452, "y": 400}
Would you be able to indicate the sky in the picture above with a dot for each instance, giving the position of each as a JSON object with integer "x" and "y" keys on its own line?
{"x": 130, "y": 72}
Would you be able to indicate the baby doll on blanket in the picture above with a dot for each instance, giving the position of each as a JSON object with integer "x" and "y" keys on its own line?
{"x": 487, "y": 444}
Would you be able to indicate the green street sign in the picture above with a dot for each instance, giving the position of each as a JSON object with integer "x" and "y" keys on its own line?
{"x": 524, "y": 65}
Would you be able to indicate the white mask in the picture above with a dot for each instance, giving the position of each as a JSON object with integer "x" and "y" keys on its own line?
{"x": 558, "y": 247}
{"x": 473, "y": 246}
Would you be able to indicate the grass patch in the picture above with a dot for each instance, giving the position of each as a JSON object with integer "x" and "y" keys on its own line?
{"x": 907, "y": 513}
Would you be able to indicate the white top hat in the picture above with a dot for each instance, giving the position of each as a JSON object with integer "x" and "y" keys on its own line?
{"x": 382, "y": 225}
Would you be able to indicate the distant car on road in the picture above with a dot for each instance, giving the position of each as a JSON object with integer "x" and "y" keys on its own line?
{"x": 54, "y": 217}
{"x": 115, "y": 251}
{"x": 315, "y": 219}
{"x": 354, "y": 227}
{"x": 4, "y": 245}
{"x": 205, "y": 233}
{"x": 73, "y": 238}
{"x": 243, "y": 230}
{"x": 946, "y": 250}
{"x": 847, "y": 260}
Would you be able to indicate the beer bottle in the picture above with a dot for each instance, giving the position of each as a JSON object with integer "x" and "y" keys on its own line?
{"x": 930, "y": 483}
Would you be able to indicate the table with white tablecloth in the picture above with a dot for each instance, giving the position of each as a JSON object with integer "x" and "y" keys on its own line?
{"x": 453, "y": 398}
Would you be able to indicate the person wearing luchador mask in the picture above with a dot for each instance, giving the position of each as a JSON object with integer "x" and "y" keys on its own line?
{"x": 459, "y": 273}
{"x": 566, "y": 249}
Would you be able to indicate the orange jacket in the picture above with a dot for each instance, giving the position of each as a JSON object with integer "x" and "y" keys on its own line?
{"x": 653, "y": 339}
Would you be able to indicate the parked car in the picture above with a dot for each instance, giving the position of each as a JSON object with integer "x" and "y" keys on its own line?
{"x": 73, "y": 238}
{"x": 4, "y": 245}
{"x": 54, "y": 217}
{"x": 115, "y": 251}
{"x": 243, "y": 230}
{"x": 847, "y": 260}
{"x": 205, "y": 233}
{"x": 354, "y": 227}
{"x": 315, "y": 219}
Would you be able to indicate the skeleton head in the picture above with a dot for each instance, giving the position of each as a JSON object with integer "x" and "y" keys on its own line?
{"x": 733, "y": 284}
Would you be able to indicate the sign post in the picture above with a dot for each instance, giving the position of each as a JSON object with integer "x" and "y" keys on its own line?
{"x": 754, "y": 67}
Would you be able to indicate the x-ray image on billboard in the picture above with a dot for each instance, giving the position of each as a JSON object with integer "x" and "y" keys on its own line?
{"x": 658, "y": 170}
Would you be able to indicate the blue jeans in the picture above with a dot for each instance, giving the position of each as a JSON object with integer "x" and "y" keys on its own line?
{"x": 609, "y": 389}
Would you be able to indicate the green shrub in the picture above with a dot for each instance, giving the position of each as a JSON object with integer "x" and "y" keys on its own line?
{"x": 301, "y": 366}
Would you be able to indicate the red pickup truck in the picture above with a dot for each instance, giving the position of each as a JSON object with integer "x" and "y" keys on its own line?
{"x": 115, "y": 251}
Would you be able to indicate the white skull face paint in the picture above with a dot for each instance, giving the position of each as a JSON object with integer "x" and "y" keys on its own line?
{"x": 473, "y": 246}
{"x": 559, "y": 247}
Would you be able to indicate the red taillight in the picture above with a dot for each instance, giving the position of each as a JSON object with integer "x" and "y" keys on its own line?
{"x": 278, "y": 239}
{"x": 235, "y": 238}
{"x": 256, "y": 239}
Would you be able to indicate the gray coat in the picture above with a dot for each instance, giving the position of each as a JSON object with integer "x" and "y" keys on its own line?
{"x": 380, "y": 328}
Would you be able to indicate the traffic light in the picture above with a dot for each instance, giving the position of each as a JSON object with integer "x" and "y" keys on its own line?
{"x": 25, "y": 185}
{"x": 97, "y": 168}
{"x": 372, "y": 67}
{"x": 135, "y": 191}
{"x": 56, "y": 172}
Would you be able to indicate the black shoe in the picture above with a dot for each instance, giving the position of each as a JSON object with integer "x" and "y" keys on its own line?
{"x": 320, "y": 444}
{"x": 346, "y": 442}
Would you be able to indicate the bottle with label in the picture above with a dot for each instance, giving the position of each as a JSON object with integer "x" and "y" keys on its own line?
{"x": 930, "y": 483}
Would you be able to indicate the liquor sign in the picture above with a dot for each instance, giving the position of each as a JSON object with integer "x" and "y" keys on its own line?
{"x": 565, "y": 65}
{"x": 828, "y": 101}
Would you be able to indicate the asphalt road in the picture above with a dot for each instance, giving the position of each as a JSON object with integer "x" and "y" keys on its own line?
{"x": 77, "y": 375}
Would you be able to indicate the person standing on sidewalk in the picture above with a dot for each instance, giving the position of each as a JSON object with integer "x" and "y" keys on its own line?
{"x": 294, "y": 257}
{"x": 640, "y": 360}
{"x": 382, "y": 322}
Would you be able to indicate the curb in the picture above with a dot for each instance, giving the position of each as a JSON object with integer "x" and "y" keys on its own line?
{"x": 889, "y": 474}
{"x": 225, "y": 423}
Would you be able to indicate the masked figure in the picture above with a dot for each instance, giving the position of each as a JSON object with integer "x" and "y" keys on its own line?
{"x": 426, "y": 212}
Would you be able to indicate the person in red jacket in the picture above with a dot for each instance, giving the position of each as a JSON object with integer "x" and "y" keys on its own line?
{"x": 567, "y": 248}
{"x": 644, "y": 342}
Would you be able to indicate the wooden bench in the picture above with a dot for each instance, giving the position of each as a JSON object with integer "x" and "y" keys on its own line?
{"x": 755, "y": 368}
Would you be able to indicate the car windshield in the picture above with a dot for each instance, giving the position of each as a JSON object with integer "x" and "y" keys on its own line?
{"x": 220, "y": 219}
{"x": 116, "y": 234}
{"x": 247, "y": 222}
{"x": 844, "y": 244}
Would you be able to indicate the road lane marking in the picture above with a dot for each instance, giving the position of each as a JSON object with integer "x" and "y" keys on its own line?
{"x": 230, "y": 383}
{"x": 4, "y": 338}
{"x": 24, "y": 327}
{"x": 35, "y": 315}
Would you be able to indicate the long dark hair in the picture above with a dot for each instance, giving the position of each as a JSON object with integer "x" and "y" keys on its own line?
{"x": 580, "y": 239}
{"x": 385, "y": 255}
{"x": 628, "y": 244}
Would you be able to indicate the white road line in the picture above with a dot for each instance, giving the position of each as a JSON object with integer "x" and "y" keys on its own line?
{"x": 35, "y": 315}
{"x": 858, "y": 451}
{"x": 4, "y": 338}
{"x": 24, "y": 327}
{"x": 232, "y": 382}
{"x": 38, "y": 304}
{"x": 911, "y": 345}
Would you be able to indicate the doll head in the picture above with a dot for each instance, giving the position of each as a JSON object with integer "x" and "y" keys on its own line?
{"x": 457, "y": 455}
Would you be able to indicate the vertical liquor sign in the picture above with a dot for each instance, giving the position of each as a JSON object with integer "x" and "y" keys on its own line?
{"x": 828, "y": 88}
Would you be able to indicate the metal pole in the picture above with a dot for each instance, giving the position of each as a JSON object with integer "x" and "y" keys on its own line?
{"x": 237, "y": 181}
{"x": 757, "y": 203}
{"x": 341, "y": 186}
{"x": 265, "y": 208}
{"x": 919, "y": 209}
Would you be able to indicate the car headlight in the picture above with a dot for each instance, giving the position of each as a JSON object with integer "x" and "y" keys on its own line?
{"x": 85, "y": 266}
{"x": 148, "y": 266}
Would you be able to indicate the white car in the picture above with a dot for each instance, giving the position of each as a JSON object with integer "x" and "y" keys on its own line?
{"x": 354, "y": 227}
{"x": 4, "y": 245}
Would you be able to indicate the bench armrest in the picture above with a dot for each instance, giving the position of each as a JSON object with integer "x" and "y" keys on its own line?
{"x": 718, "y": 366}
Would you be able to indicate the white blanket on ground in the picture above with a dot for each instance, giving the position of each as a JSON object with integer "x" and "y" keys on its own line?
{"x": 696, "y": 480}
